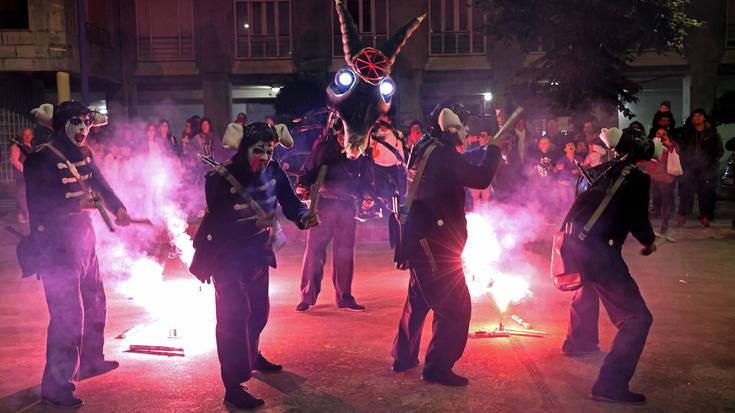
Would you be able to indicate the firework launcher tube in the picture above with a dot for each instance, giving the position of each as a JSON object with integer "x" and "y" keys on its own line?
{"x": 509, "y": 123}
{"x": 314, "y": 199}
{"x": 520, "y": 321}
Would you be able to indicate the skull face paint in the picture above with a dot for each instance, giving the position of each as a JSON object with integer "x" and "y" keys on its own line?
{"x": 77, "y": 129}
{"x": 259, "y": 155}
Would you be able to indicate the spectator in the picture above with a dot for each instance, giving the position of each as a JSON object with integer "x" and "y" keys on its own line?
{"x": 241, "y": 118}
{"x": 566, "y": 172}
{"x": 662, "y": 119}
{"x": 475, "y": 157}
{"x": 581, "y": 149}
{"x": 390, "y": 160}
{"x": 637, "y": 126}
{"x": 415, "y": 131}
{"x": 187, "y": 137}
{"x": 152, "y": 144}
{"x": 540, "y": 172}
{"x": 270, "y": 121}
{"x": 208, "y": 143}
{"x": 556, "y": 137}
{"x": 521, "y": 141}
{"x": 171, "y": 142}
{"x": 18, "y": 153}
{"x": 588, "y": 133}
{"x": 701, "y": 150}
{"x": 663, "y": 182}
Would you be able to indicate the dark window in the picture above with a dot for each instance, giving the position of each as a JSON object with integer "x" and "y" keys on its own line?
{"x": 455, "y": 28}
{"x": 371, "y": 18}
{"x": 165, "y": 30}
{"x": 14, "y": 14}
{"x": 263, "y": 29}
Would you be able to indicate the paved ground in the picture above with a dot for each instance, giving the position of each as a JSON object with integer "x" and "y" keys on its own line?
{"x": 339, "y": 361}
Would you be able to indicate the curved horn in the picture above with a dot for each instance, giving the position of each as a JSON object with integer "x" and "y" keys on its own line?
{"x": 351, "y": 43}
{"x": 393, "y": 46}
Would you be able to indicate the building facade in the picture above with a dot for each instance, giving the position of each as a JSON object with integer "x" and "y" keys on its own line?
{"x": 152, "y": 59}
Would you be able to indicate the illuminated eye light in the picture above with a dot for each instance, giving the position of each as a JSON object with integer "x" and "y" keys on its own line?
{"x": 345, "y": 79}
{"x": 387, "y": 88}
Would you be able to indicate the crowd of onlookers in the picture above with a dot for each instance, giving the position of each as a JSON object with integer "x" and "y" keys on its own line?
{"x": 545, "y": 167}
{"x": 541, "y": 166}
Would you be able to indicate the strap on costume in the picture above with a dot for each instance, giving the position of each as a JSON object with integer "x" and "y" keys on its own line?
{"x": 414, "y": 186}
{"x": 240, "y": 190}
{"x": 603, "y": 205}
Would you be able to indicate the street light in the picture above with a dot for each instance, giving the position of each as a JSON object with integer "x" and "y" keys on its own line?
{"x": 488, "y": 96}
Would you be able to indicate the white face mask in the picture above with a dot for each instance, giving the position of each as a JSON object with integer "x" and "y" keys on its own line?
{"x": 77, "y": 129}
{"x": 259, "y": 155}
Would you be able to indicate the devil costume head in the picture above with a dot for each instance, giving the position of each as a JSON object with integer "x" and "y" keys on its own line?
{"x": 73, "y": 120}
{"x": 363, "y": 90}
{"x": 256, "y": 142}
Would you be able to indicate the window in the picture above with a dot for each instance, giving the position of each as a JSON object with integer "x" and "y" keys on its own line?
{"x": 263, "y": 29}
{"x": 371, "y": 18}
{"x": 455, "y": 28}
{"x": 165, "y": 30}
{"x": 730, "y": 26}
{"x": 14, "y": 14}
{"x": 97, "y": 23}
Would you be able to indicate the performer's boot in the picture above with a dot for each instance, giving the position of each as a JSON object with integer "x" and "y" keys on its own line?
{"x": 400, "y": 367}
{"x": 444, "y": 377}
{"x": 602, "y": 393}
{"x": 62, "y": 401}
{"x": 263, "y": 365}
{"x": 96, "y": 368}
{"x": 240, "y": 399}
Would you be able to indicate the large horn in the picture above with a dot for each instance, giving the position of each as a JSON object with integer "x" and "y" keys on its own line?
{"x": 351, "y": 43}
{"x": 393, "y": 46}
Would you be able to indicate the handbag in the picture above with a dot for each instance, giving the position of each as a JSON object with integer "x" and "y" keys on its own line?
{"x": 673, "y": 164}
{"x": 566, "y": 270}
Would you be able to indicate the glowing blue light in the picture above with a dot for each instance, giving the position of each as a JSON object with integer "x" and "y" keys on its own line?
{"x": 345, "y": 78}
{"x": 387, "y": 88}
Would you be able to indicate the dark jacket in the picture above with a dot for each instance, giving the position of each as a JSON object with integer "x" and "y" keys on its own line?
{"x": 346, "y": 179}
{"x": 600, "y": 254}
{"x": 57, "y": 221}
{"x": 228, "y": 236}
{"x": 438, "y": 211}
{"x": 700, "y": 151}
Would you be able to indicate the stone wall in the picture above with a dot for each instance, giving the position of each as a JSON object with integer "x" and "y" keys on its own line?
{"x": 44, "y": 47}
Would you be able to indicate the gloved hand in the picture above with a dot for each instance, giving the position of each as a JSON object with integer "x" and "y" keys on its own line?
{"x": 648, "y": 249}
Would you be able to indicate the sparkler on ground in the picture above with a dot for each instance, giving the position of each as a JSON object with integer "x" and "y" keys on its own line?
{"x": 488, "y": 246}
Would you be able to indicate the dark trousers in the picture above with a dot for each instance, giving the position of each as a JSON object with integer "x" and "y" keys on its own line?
{"x": 337, "y": 222}
{"x": 444, "y": 291}
{"x": 21, "y": 203}
{"x": 628, "y": 312}
{"x": 703, "y": 184}
{"x": 242, "y": 313}
{"x": 389, "y": 180}
{"x": 664, "y": 191}
{"x": 78, "y": 308}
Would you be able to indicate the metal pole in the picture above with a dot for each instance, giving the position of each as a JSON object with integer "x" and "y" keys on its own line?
{"x": 83, "y": 52}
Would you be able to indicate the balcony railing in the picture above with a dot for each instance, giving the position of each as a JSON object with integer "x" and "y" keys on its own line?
{"x": 166, "y": 49}
{"x": 263, "y": 46}
{"x": 459, "y": 43}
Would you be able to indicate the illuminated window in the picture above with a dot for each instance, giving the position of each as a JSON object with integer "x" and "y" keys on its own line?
{"x": 456, "y": 28}
{"x": 371, "y": 18}
{"x": 263, "y": 29}
{"x": 165, "y": 30}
